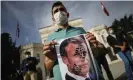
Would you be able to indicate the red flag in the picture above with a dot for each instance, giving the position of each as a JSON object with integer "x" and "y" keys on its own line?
{"x": 104, "y": 9}
{"x": 18, "y": 30}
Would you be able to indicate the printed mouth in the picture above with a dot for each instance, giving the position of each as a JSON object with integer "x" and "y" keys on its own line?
{"x": 84, "y": 66}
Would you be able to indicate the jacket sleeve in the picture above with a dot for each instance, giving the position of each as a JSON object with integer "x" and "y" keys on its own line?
{"x": 36, "y": 61}
{"x": 109, "y": 41}
{"x": 103, "y": 47}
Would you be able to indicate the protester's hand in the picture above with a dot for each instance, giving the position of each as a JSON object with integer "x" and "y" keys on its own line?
{"x": 48, "y": 63}
{"x": 27, "y": 64}
{"x": 90, "y": 37}
{"x": 48, "y": 47}
{"x": 122, "y": 48}
{"x": 50, "y": 53}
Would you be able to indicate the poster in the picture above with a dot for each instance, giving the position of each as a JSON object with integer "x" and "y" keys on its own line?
{"x": 75, "y": 59}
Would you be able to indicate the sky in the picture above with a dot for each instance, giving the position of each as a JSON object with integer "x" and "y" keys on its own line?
{"x": 32, "y": 15}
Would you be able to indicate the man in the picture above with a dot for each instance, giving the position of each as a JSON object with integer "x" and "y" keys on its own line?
{"x": 74, "y": 54}
{"x": 29, "y": 67}
{"x": 60, "y": 18}
{"x": 99, "y": 52}
{"x": 120, "y": 47}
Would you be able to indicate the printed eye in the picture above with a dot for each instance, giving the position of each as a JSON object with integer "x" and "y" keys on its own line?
{"x": 75, "y": 54}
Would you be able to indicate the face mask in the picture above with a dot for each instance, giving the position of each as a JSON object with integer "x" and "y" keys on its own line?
{"x": 27, "y": 56}
{"x": 60, "y": 18}
{"x": 111, "y": 31}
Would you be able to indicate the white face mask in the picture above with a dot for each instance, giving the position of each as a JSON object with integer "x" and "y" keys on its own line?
{"x": 111, "y": 31}
{"x": 60, "y": 18}
{"x": 27, "y": 56}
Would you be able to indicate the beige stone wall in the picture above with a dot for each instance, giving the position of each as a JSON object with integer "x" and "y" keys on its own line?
{"x": 45, "y": 31}
{"x": 34, "y": 48}
{"x": 101, "y": 33}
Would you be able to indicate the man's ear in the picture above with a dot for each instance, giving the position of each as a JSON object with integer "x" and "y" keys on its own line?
{"x": 65, "y": 60}
{"x": 53, "y": 19}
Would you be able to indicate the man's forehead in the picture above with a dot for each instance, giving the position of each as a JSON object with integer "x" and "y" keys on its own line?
{"x": 56, "y": 7}
{"x": 71, "y": 47}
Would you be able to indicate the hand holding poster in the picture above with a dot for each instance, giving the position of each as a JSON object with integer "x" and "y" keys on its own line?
{"x": 75, "y": 59}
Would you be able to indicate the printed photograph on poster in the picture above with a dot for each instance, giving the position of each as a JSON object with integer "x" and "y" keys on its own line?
{"x": 75, "y": 59}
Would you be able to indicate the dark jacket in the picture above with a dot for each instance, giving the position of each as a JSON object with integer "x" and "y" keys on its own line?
{"x": 32, "y": 62}
{"x": 68, "y": 77}
{"x": 98, "y": 51}
{"x": 113, "y": 41}
{"x": 117, "y": 41}
{"x": 121, "y": 37}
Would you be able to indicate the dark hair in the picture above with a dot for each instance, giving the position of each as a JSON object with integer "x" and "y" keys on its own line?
{"x": 109, "y": 28}
{"x": 27, "y": 53}
{"x": 57, "y": 3}
{"x": 65, "y": 43}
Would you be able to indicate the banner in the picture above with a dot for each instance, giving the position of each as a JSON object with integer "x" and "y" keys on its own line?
{"x": 75, "y": 59}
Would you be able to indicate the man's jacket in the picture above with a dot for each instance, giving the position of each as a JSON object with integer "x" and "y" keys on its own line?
{"x": 29, "y": 64}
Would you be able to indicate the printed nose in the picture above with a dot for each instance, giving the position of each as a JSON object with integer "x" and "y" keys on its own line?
{"x": 82, "y": 59}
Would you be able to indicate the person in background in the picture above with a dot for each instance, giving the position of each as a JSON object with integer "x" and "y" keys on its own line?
{"x": 120, "y": 46}
{"x": 28, "y": 67}
{"x": 99, "y": 52}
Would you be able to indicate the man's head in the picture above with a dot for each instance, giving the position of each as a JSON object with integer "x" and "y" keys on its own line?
{"x": 110, "y": 30}
{"x": 75, "y": 55}
{"x": 59, "y": 13}
{"x": 27, "y": 54}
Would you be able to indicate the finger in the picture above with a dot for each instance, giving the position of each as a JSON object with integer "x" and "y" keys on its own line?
{"x": 91, "y": 38}
{"x": 46, "y": 52}
{"x": 50, "y": 43}
{"x": 88, "y": 34}
{"x": 54, "y": 43}
{"x": 93, "y": 41}
{"x": 46, "y": 48}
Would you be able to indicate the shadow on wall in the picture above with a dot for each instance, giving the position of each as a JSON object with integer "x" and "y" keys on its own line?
{"x": 122, "y": 77}
{"x": 112, "y": 57}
